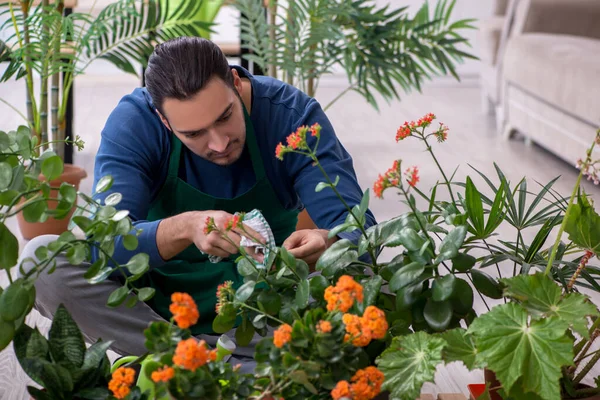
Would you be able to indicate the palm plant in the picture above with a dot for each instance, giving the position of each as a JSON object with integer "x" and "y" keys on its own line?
{"x": 45, "y": 43}
{"x": 379, "y": 49}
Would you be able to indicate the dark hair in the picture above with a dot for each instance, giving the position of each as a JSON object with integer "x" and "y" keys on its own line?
{"x": 179, "y": 68}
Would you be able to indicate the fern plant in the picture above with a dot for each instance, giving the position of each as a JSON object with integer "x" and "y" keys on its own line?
{"x": 378, "y": 48}
{"x": 43, "y": 42}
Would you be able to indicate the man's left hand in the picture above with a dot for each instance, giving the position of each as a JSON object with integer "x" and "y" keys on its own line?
{"x": 308, "y": 244}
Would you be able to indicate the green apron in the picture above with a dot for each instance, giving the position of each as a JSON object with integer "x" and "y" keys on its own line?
{"x": 191, "y": 271}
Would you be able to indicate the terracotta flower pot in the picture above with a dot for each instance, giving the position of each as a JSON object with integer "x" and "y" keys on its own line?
{"x": 72, "y": 174}
{"x": 476, "y": 390}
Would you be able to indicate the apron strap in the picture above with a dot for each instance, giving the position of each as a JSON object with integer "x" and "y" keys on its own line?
{"x": 257, "y": 162}
{"x": 174, "y": 158}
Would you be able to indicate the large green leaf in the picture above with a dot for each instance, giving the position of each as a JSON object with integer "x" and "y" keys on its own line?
{"x": 583, "y": 225}
{"x": 542, "y": 298}
{"x": 302, "y": 294}
{"x": 387, "y": 233}
{"x": 336, "y": 257}
{"x": 474, "y": 208}
{"x": 66, "y": 341}
{"x": 9, "y": 248}
{"x": 461, "y": 347}
{"x": 52, "y": 167}
{"x": 138, "y": 264}
{"x": 245, "y": 291}
{"x": 318, "y": 284}
{"x": 244, "y": 333}
{"x": 438, "y": 315}
{"x": 409, "y": 362}
{"x": 371, "y": 289}
{"x": 451, "y": 244}
{"x": 7, "y": 332}
{"x": 14, "y": 301}
{"x": 443, "y": 286}
{"x": 6, "y": 172}
{"x": 513, "y": 347}
{"x": 486, "y": 284}
{"x": 405, "y": 276}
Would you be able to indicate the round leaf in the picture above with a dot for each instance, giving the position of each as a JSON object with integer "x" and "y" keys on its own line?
{"x": 146, "y": 293}
{"x": 124, "y": 227}
{"x": 438, "y": 314}
{"x": 131, "y": 302}
{"x": 405, "y": 276}
{"x": 222, "y": 324}
{"x": 302, "y": 294}
{"x": 371, "y": 289}
{"x": 52, "y": 167}
{"x": 411, "y": 239}
{"x": 76, "y": 255}
{"x": 104, "y": 184}
{"x": 246, "y": 268}
{"x": 113, "y": 199}
{"x": 106, "y": 212}
{"x": 138, "y": 264}
{"x": 244, "y": 333}
{"x": 269, "y": 302}
{"x": 7, "y": 332}
{"x": 486, "y": 284}
{"x": 41, "y": 253}
{"x": 130, "y": 242}
{"x": 34, "y": 211}
{"x": 443, "y": 287}
{"x": 68, "y": 192}
{"x": 118, "y": 296}
{"x": 407, "y": 296}
{"x": 122, "y": 214}
{"x": 245, "y": 291}
{"x": 260, "y": 321}
{"x": 462, "y": 297}
{"x": 82, "y": 222}
{"x": 463, "y": 262}
{"x": 5, "y": 175}
{"x": 318, "y": 284}
{"x": 14, "y": 301}
{"x": 9, "y": 248}
{"x": 7, "y": 197}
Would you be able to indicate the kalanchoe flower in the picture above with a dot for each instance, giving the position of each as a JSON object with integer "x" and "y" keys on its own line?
{"x": 191, "y": 354}
{"x": 590, "y": 170}
{"x": 374, "y": 319}
{"x": 391, "y": 178}
{"x": 121, "y": 381}
{"x": 342, "y": 296}
{"x": 282, "y": 335}
{"x": 184, "y": 310}
{"x": 209, "y": 225}
{"x": 224, "y": 292}
{"x": 426, "y": 120}
{"x": 163, "y": 374}
{"x": 324, "y": 327}
{"x": 412, "y": 176}
{"x": 356, "y": 330}
{"x": 297, "y": 140}
{"x": 315, "y": 130}
{"x": 232, "y": 223}
{"x": 442, "y": 133}
{"x": 366, "y": 385}
{"x": 403, "y": 132}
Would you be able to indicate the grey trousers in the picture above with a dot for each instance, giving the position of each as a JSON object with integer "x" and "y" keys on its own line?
{"x": 87, "y": 305}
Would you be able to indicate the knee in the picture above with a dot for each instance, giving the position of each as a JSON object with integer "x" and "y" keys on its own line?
{"x": 29, "y": 252}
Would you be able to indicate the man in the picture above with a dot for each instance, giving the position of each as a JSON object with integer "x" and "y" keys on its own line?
{"x": 200, "y": 142}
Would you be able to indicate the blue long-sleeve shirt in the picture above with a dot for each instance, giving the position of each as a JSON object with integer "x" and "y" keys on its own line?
{"x": 135, "y": 148}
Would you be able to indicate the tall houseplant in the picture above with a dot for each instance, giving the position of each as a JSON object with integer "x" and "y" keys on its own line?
{"x": 45, "y": 44}
{"x": 379, "y": 49}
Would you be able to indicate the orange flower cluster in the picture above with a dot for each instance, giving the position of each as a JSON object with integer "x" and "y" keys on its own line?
{"x": 209, "y": 225}
{"x": 297, "y": 140}
{"x": 442, "y": 133}
{"x": 223, "y": 292}
{"x": 342, "y": 296}
{"x": 232, "y": 223}
{"x": 282, "y": 335}
{"x": 315, "y": 130}
{"x": 191, "y": 354}
{"x": 163, "y": 374}
{"x": 324, "y": 327}
{"x": 361, "y": 330}
{"x": 426, "y": 120}
{"x": 366, "y": 384}
{"x": 408, "y": 128}
{"x": 391, "y": 178}
{"x": 184, "y": 310}
{"x": 412, "y": 176}
{"x": 121, "y": 381}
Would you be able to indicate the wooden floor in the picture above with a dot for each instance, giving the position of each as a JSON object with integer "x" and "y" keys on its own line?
{"x": 367, "y": 135}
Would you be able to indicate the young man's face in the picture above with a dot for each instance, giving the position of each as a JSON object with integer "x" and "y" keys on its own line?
{"x": 211, "y": 123}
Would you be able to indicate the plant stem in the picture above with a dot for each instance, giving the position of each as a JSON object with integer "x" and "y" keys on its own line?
{"x": 587, "y": 355}
{"x": 430, "y": 150}
{"x": 516, "y": 252}
{"x": 272, "y": 38}
{"x": 339, "y": 96}
{"x": 480, "y": 295}
{"x": 15, "y": 110}
{"x": 587, "y": 391}
{"x": 260, "y": 312}
{"x": 577, "y": 348}
{"x": 587, "y": 368}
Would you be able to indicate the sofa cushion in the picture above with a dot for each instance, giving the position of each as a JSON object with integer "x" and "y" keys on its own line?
{"x": 489, "y": 39}
{"x": 558, "y": 69}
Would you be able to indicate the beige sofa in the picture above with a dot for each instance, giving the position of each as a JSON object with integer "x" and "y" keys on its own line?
{"x": 549, "y": 74}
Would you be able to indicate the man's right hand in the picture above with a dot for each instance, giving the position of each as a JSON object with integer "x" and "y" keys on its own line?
{"x": 176, "y": 233}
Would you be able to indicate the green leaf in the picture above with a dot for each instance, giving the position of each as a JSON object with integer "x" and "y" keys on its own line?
{"x": 7, "y": 197}
{"x": 318, "y": 284}
{"x": 244, "y": 333}
{"x": 9, "y": 248}
{"x": 101, "y": 275}
{"x": 104, "y": 184}
{"x": 443, "y": 287}
{"x": 301, "y": 377}
{"x": 462, "y": 297}
{"x": 14, "y": 301}
{"x": 246, "y": 268}
{"x": 387, "y": 234}
{"x": 68, "y": 192}
{"x": 406, "y": 275}
{"x": 461, "y": 347}
{"x": 118, "y": 296}
{"x": 451, "y": 244}
{"x": 33, "y": 211}
{"x": 52, "y": 167}
{"x": 77, "y": 254}
{"x": 7, "y": 332}
{"x": 66, "y": 341}
{"x": 409, "y": 362}
{"x": 474, "y": 206}
{"x": 269, "y": 301}
{"x": 438, "y": 314}
{"x": 113, "y": 199}
{"x": 222, "y": 324}
{"x": 496, "y": 215}
{"x": 408, "y": 295}
{"x": 130, "y": 242}
{"x": 146, "y": 293}
{"x": 302, "y": 294}
{"x": 583, "y": 225}
{"x": 245, "y": 291}
{"x": 486, "y": 284}
{"x": 542, "y": 298}
{"x": 6, "y": 172}
{"x": 83, "y": 222}
{"x": 411, "y": 239}
{"x": 138, "y": 264}
{"x": 463, "y": 262}
{"x": 336, "y": 257}
{"x": 514, "y": 348}
{"x": 371, "y": 289}
{"x": 322, "y": 185}
{"x": 302, "y": 269}
{"x": 95, "y": 268}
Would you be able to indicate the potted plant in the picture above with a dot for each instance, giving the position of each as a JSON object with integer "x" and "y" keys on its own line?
{"x": 55, "y": 48}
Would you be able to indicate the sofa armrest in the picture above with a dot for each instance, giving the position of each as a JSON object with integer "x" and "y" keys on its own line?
{"x": 567, "y": 17}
